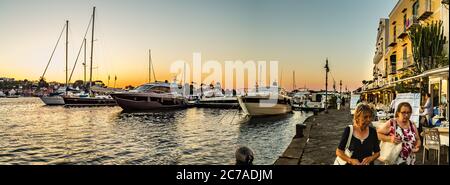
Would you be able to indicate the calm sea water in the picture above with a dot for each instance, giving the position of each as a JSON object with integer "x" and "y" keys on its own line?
{"x": 32, "y": 133}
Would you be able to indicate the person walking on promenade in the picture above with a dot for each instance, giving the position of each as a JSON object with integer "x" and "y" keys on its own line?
{"x": 364, "y": 144}
{"x": 392, "y": 105}
{"x": 343, "y": 102}
{"x": 402, "y": 130}
{"x": 427, "y": 109}
{"x": 338, "y": 103}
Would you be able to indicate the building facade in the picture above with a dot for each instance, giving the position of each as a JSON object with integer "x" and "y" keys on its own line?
{"x": 405, "y": 14}
{"x": 393, "y": 60}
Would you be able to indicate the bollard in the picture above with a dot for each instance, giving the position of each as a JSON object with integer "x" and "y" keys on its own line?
{"x": 244, "y": 156}
{"x": 299, "y": 130}
{"x": 316, "y": 112}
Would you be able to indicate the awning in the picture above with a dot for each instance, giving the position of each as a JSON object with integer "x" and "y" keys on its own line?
{"x": 433, "y": 72}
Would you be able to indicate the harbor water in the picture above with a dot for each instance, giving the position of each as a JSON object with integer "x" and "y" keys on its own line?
{"x": 32, "y": 133}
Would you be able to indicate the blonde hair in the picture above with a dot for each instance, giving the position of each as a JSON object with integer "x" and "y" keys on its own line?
{"x": 362, "y": 109}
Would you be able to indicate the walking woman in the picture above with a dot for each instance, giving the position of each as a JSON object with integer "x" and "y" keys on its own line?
{"x": 402, "y": 130}
{"x": 364, "y": 144}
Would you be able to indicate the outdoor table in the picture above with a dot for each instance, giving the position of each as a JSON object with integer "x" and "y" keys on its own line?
{"x": 443, "y": 135}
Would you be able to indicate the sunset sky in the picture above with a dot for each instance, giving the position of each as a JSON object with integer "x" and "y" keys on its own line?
{"x": 300, "y": 34}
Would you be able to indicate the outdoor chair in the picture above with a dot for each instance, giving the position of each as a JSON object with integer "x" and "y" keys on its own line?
{"x": 431, "y": 141}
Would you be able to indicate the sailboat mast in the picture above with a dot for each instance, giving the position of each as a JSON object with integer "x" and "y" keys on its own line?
{"x": 260, "y": 71}
{"x": 149, "y": 66}
{"x": 84, "y": 61}
{"x": 67, "y": 54}
{"x": 92, "y": 49}
{"x": 281, "y": 79}
{"x": 184, "y": 80}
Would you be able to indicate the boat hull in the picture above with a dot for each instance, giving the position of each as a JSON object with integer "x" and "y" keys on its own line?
{"x": 87, "y": 101}
{"x": 139, "y": 102}
{"x": 53, "y": 100}
{"x": 225, "y": 103}
{"x": 255, "y": 108}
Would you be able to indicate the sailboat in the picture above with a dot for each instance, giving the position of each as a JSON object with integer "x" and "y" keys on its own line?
{"x": 56, "y": 97}
{"x": 91, "y": 99}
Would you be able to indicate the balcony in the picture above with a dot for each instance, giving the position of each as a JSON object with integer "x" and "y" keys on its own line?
{"x": 393, "y": 43}
{"x": 393, "y": 70}
{"x": 378, "y": 56}
{"x": 407, "y": 63}
{"x": 403, "y": 34}
{"x": 412, "y": 21}
{"x": 427, "y": 12}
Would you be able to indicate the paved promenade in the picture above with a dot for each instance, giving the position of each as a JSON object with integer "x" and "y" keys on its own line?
{"x": 321, "y": 138}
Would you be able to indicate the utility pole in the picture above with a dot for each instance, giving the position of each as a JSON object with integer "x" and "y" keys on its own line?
{"x": 340, "y": 88}
{"x": 327, "y": 69}
{"x": 293, "y": 80}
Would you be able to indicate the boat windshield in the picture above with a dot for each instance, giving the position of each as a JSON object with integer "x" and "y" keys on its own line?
{"x": 143, "y": 88}
{"x": 153, "y": 88}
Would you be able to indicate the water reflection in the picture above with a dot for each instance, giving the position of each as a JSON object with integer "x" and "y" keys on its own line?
{"x": 31, "y": 133}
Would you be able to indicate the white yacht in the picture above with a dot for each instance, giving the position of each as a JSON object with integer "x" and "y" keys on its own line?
{"x": 214, "y": 97}
{"x": 54, "y": 98}
{"x": 266, "y": 103}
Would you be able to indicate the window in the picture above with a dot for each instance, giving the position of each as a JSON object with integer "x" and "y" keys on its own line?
{"x": 143, "y": 88}
{"x": 404, "y": 22}
{"x": 395, "y": 34}
{"x": 385, "y": 67}
{"x": 393, "y": 59}
{"x": 405, "y": 56}
{"x": 160, "y": 89}
{"x": 416, "y": 9}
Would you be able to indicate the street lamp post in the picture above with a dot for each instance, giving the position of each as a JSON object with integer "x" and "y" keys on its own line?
{"x": 327, "y": 69}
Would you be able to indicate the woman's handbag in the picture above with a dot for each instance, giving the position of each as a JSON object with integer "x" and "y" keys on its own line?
{"x": 389, "y": 152}
{"x": 338, "y": 160}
